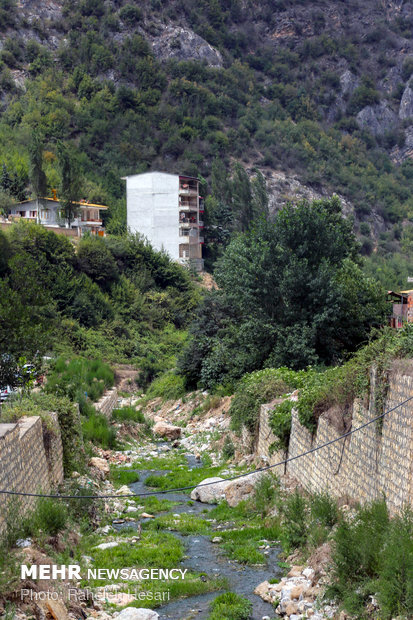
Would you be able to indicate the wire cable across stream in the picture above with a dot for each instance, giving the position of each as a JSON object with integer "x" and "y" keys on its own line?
{"x": 230, "y": 479}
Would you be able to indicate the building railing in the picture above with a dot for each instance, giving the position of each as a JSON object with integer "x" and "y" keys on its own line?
{"x": 188, "y": 191}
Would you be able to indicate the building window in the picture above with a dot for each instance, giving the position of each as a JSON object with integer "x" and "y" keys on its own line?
{"x": 184, "y": 251}
{"x": 33, "y": 213}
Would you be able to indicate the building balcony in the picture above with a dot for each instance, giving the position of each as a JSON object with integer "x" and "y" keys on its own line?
{"x": 188, "y": 191}
{"x": 90, "y": 223}
{"x": 188, "y": 207}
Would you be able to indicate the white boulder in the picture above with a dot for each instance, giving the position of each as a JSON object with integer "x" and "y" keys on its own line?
{"x": 210, "y": 490}
{"x": 135, "y": 613}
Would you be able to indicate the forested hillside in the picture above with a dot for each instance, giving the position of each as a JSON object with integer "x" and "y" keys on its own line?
{"x": 315, "y": 94}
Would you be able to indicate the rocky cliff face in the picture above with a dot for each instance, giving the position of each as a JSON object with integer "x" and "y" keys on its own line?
{"x": 328, "y": 35}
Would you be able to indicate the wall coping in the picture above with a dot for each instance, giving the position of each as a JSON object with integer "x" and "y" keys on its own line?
{"x": 6, "y": 428}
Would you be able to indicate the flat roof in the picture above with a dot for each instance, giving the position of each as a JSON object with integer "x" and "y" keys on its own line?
{"x": 138, "y": 174}
{"x": 82, "y": 203}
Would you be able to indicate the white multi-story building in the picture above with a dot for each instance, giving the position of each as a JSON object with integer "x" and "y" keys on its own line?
{"x": 167, "y": 209}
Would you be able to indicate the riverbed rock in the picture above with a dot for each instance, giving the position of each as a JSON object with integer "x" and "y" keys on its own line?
{"x": 295, "y": 571}
{"x": 53, "y": 608}
{"x": 125, "y": 490}
{"x": 169, "y": 431}
{"x": 262, "y": 590}
{"x": 100, "y": 464}
{"x": 210, "y": 490}
{"x": 241, "y": 489}
{"x": 107, "y": 545}
{"x": 134, "y": 613}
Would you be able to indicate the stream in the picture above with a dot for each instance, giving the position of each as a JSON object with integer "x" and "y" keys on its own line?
{"x": 204, "y": 556}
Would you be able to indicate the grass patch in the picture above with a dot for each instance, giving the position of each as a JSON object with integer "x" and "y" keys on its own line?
{"x": 185, "y": 524}
{"x": 153, "y": 504}
{"x": 128, "y": 414}
{"x": 182, "y": 478}
{"x": 74, "y": 377}
{"x": 230, "y": 606}
{"x": 223, "y": 512}
{"x": 158, "y": 550}
{"x": 191, "y": 585}
{"x": 242, "y": 545}
{"x": 119, "y": 477}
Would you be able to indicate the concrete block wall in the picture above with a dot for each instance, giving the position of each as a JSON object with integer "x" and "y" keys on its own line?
{"x": 374, "y": 461}
{"x": 26, "y": 465}
{"x": 107, "y": 403}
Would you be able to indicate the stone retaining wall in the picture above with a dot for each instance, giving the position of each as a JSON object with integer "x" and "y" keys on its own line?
{"x": 107, "y": 403}
{"x": 266, "y": 438}
{"x": 369, "y": 463}
{"x": 30, "y": 461}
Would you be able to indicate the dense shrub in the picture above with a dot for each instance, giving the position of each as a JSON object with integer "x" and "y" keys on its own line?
{"x": 280, "y": 422}
{"x": 295, "y": 523}
{"x": 69, "y": 422}
{"x": 78, "y": 377}
{"x": 228, "y": 449}
{"x": 260, "y": 387}
{"x": 365, "y": 550}
{"x": 128, "y": 414}
{"x": 169, "y": 386}
{"x": 97, "y": 430}
{"x": 50, "y": 516}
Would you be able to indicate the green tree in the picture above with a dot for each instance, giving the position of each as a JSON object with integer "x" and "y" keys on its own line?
{"x": 37, "y": 175}
{"x": 291, "y": 283}
{"x": 242, "y": 202}
{"x": 70, "y": 182}
{"x": 96, "y": 261}
{"x": 26, "y": 318}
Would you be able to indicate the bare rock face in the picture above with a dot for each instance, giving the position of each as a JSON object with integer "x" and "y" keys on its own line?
{"x": 169, "y": 431}
{"x": 391, "y": 80}
{"x": 348, "y": 82}
{"x": 400, "y": 154}
{"x": 46, "y": 9}
{"x": 406, "y": 104}
{"x": 212, "y": 493}
{"x": 100, "y": 464}
{"x": 184, "y": 44}
{"x": 377, "y": 118}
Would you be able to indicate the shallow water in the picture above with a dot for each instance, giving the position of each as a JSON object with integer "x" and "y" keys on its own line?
{"x": 205, "y": 557}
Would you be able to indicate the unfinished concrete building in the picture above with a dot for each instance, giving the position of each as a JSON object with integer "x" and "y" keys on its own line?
{"x": 167, "y": 209}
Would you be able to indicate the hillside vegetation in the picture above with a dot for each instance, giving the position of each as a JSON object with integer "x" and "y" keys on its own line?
{"x": 316, "y": 89}
{"x": 114, "y": 298}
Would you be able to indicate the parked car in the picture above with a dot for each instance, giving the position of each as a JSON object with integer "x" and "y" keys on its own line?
{"x": 5, "y": 393}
